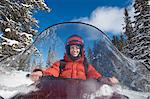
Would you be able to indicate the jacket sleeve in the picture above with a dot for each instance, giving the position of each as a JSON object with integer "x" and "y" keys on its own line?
{"x": 52, "y": 70}
{"x": 92, "y": 73}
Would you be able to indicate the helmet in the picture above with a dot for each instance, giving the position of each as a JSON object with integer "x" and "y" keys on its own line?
{"x": 74, "y": 40}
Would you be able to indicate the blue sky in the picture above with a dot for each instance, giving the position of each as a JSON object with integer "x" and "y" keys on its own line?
{"x": 90, "y": 11}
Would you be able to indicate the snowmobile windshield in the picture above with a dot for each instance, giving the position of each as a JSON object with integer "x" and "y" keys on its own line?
{"x": 49, "y": 46}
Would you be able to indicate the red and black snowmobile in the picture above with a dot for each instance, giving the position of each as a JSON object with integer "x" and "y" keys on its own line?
{"x": 57, "y": 88}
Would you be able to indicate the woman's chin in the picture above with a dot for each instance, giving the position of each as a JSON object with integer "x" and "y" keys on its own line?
{"x": 75, "y": 55}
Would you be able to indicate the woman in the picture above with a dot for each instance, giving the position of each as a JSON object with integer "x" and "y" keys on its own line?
{"x": 74, "y": 59}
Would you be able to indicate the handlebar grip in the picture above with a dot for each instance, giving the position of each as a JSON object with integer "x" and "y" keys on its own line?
{"x": 28, "y": 75}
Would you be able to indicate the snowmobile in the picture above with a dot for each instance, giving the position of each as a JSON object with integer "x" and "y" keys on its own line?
{"x": 51, "y": 42}
{"x": 48, "y": 47}
{"x": 58, "y": 88}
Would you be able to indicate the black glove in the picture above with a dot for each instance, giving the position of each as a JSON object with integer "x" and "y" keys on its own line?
{"x": 104, "y": 80}
{"x": 35, "y": 70}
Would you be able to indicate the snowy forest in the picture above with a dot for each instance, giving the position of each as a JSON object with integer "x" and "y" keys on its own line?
{"x": 18, "y": 29}
{"x": 135, "y": 41}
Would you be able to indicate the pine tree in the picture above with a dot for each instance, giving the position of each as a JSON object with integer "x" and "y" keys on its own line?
{"x": 90, "y": 55}
{"x": 128, "y": 31}
{"x": 121, "y": 42}
{"x": 115, "y": 40}
{"x": 138, "y": 44}
{"x": 138, "y": 41}
{"x": 142, "y": 17}
{"x": 128, "y": 26}
{"x": 17, "y": 25}
{"x": 51, "y": 57}
{"x": 140, "y": 50}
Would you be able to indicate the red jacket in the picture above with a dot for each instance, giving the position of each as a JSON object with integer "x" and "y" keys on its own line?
{"x": 72, "y": 69}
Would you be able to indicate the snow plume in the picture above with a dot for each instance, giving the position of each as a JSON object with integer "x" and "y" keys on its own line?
{"x": 130, "y": 93}
{"x": 108, "y": 19}
{"x": 108, "y": 91}
{"x": 13, "y": 83}
{"x": 105, "y": 90}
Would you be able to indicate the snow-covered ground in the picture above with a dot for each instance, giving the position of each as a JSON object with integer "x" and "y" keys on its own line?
{"x": 12, "y": 83}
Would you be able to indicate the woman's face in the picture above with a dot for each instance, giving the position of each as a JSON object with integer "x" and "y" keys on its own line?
{"x": 74, "y": 50}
